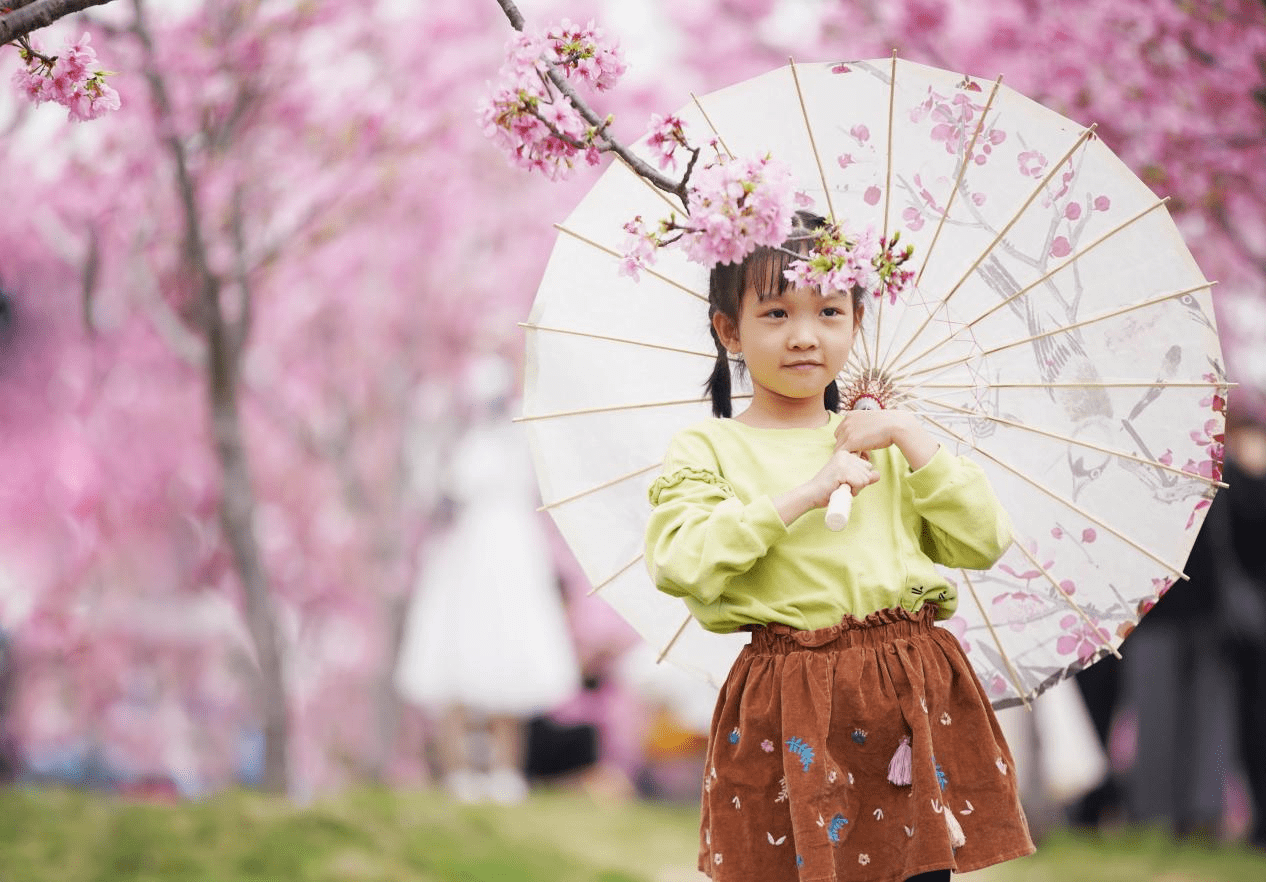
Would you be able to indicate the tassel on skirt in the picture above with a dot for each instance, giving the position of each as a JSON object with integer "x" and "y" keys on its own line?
{"x": 865, "y": 751}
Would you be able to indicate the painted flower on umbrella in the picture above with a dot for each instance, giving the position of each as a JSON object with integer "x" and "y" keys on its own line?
{"x": 1080, "y": 637}
{"x": 1017, "y": 608}
{"x": 1210, "y": 437}
{"x": 71, "y": 79}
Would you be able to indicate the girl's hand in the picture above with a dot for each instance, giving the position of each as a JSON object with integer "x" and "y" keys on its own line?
{"x": 862, "y": 430}
{"x": 842, "y": 469}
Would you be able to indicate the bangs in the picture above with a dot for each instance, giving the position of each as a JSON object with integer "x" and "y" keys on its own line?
{"x": 765, "y": 269}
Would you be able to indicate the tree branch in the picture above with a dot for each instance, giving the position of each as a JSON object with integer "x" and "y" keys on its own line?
{"x": 609, "y": 144}
{"x": 240, "y": 329}
{"x": 31, "y": 15}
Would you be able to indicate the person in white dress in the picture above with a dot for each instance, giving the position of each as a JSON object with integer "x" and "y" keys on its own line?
{"x": 486, "y": 641}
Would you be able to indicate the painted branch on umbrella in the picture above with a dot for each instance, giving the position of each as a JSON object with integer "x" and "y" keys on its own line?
{"x": 731, "y": 205}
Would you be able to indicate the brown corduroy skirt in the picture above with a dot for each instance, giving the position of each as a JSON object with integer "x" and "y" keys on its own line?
{"x": 812, "y": 728}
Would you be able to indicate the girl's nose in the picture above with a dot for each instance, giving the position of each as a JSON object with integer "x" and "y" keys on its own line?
{"x": 802, "y": 336}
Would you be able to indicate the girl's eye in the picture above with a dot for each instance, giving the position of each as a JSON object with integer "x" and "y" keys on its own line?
{"x": 832, "y": 311}
{"x": 776, "y": 313}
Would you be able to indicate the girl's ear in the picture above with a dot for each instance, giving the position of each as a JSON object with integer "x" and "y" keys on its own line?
{"x": 726, "y": 333}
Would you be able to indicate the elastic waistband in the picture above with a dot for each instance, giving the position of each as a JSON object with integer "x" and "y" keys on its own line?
{"x": 876, "y": 629}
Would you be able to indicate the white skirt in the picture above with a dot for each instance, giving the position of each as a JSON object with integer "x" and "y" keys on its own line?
{"x": 487, "y": 629}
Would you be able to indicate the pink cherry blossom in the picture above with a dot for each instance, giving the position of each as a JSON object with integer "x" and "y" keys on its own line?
{"x": 70, "y": 79}
{"x": 533, "y": 124}
{"x": 667, "y": 134}
{"x": 737, "y": 205}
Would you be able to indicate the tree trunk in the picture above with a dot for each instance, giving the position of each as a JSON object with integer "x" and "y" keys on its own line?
{"x": 225, "y": 345}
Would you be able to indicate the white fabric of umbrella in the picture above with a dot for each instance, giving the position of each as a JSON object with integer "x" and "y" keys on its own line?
{"x": 1058, "y": 332}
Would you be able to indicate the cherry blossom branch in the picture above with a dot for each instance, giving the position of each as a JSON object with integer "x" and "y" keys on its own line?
{"x": 25, "y": 16}
{"x": 731, "y": 206}
{"x": 609, "y": 144}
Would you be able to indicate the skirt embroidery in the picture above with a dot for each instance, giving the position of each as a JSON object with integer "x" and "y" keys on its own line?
{"x": 833, "y": 794}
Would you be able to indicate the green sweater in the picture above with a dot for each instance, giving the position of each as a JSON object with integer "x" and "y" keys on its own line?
{"x": 715, "y": 538}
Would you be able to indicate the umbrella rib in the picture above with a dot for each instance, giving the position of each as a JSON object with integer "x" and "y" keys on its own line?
{"x": 1119, "y": 454}
{"x": 1060, "y": 499}
{"x": 663, "y": 653}
{"x": 708, "y": 120}
{"x": 1095, "y": 629}
{"x": 892, "y": 103}
{"x": 1101, "y": 384}
{"x": 618, "y": 256}
{"x": 1012, "y": 674}
{"x": 1062, "y": 329}
{"x": 1027, "y": 288}
{"x": 1085, "y": 136}
{"x": 585, "y": 411}
{"x": 617, "y": 574}
{"x": 892, "y": 100}
{"x": 813, "y": 144}
{"x": 958, "y": 181}
{"x": 557, "y": 503}
{"x": 610, "y": 339}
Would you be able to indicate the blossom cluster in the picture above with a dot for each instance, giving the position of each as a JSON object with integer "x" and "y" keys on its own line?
{"x": 842, "y": 262}
{"x": 71, "y": 79}
{"x": 736, "y": 205}
{"x": 523, "y": 113}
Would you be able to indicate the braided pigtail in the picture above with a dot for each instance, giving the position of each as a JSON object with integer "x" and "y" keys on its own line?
{"x": 718, "y": 384}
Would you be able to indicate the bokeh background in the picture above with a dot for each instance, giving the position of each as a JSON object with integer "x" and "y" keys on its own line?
{"x": 246, "y": 323}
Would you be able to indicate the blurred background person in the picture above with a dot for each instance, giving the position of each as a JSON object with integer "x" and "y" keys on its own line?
{"x": 1177, "y": 686}
{"x": 486, "y": 642}
{"x": 1243, "y": 592}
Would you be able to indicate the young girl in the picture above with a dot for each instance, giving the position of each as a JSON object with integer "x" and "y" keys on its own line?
{"x": 852, "y": 740}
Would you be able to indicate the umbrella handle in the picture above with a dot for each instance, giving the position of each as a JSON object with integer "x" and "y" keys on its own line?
{"x": 838, "y": 509}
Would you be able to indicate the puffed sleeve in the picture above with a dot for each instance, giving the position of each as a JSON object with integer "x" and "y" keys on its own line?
{"x": 700, "y": 534}
{"x": 964, "y": 525}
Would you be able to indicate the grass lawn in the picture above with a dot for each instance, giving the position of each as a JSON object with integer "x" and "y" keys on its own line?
{"x": 374, "y": 836}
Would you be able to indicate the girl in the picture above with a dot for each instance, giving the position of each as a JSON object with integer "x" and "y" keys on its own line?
{"x": 852, "y": 739}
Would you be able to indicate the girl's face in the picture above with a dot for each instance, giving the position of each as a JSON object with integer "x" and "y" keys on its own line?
{"x": 794, "y": 344}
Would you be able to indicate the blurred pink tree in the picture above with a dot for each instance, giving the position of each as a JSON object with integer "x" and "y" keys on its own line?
{"x": 270, "y": 264}
{"x": 221, "y": 312}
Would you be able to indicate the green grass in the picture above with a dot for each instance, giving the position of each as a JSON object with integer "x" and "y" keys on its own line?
{"x": 375, "y": 836}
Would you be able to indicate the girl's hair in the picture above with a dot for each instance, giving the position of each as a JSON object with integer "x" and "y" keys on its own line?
{"x": 763, "y": 270}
